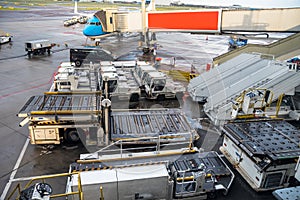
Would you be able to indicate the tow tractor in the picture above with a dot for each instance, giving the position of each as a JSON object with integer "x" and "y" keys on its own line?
{"x": 185, "y": 173}
{"x": 159, "y": 86}
{"x": 235, "y": 42}
{"x": 263, "y": 149}
{"x": 5, "y": 38}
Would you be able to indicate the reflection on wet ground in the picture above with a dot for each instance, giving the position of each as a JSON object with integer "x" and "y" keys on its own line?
{"x": 21, "y": 78}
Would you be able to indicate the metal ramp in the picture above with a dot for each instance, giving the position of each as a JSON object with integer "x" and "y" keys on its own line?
{"x": 220, "y": 86}
{"x": 282, "y": 49}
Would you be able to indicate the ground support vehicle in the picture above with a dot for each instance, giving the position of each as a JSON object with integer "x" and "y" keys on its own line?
{"x": 5, "y": 38}
{"x": 53, "y": 118}
{"x": 70, "y": 78}
{"x": 123, "y": 82}
{"x": 85, "y": 55}
{"x": 219, "y": 87}
{"x": 235, "y": 42}
{"x": 262, "y": 148}
{"x": 69, "y": 22}
{"x": 163, "y": 174}
{"x": 262, "y": 151}
{"x": 290, "y": 192}
{"x": 38, "y": 47}
{"x": 140, "y": 72}
{"x": 75, "y": 20}
{"x": 295, "y": 60}
{"x": 121, "y": 85}
{"x": 86, "y": 116}
{"x": 155, "y": 84}
{"x": 158, "y": 86}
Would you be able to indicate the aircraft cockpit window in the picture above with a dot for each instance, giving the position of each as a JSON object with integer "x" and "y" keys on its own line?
{"x": 94, "y": 23}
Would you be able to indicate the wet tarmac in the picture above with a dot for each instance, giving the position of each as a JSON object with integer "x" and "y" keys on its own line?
{"x": 21, "y": 78}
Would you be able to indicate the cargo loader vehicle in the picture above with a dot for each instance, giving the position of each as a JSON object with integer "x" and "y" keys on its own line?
{"x": 164, "y": 174}
{"x": 54, "y": 118}
{"x": 263, "y": 148}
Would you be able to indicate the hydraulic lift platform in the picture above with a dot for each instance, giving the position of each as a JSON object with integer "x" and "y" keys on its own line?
{"x": 264, "y": 151}
{"x": 167, "y": 124}
{"x": 275, "y": 139}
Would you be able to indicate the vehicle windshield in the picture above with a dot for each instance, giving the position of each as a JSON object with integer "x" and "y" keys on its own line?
{"x": 112, "y": 84}
{"x": 158, "y": 84}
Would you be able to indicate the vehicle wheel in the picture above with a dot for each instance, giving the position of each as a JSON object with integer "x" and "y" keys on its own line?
{"x": 161, "y": 97}
{"x": 97, "y": 43}
{"x": 29, "y": 55}
{"x": 48, "y": 51}
{"x": 134, "y": 97}
{"x": 211, "y": 195}
{"x": 77, "y": 63}
{"x": 72, "y": 136}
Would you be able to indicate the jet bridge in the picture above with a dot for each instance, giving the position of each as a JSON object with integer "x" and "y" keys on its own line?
{"x": 201, "y": 20}
{"x": 221, "y": 85}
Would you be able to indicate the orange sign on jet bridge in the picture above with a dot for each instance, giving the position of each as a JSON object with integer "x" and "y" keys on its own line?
{"x": 192, "y": 21}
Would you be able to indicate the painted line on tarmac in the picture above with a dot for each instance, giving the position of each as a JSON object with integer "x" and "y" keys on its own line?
{"x": 28, "y": 89}
{"x": 15, "y": 169}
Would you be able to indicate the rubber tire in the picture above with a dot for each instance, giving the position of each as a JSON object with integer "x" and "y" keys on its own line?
{"x": 160, "y": 97}
{"x": 77, "y": 63}
{"x": 29, "y": 55}
{"x": 134, "y": 98}
{"x": 97, "y": 43}
{"x": 72, "y": 136}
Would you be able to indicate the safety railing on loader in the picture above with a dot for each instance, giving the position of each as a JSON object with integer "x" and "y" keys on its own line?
{"x": 37, "y": 188}
{"x": 121, "y": 147}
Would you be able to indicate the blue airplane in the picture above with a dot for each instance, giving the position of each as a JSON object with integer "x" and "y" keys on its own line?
{"x": 93, "y": 27}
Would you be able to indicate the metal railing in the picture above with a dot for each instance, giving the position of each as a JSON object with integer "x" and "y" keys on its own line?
{"x": 46, "y": 177}
{"x": 124, "y": 147}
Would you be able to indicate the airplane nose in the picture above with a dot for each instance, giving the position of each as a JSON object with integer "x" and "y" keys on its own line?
{"x": 86, "y": 31}
{"x": 91, "y": 30}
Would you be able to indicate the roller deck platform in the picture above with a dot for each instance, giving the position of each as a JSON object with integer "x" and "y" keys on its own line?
{"x": 274, "y": 139}
{"x": 166, "y": 123}
{"x": 61, "y": 105}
